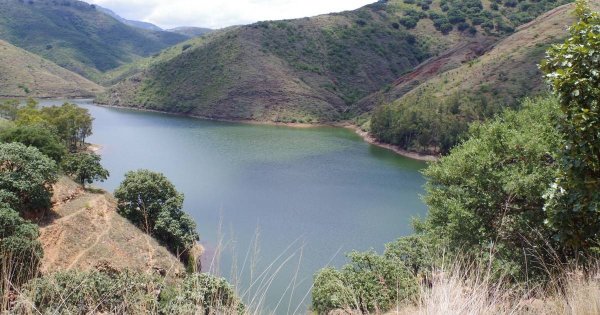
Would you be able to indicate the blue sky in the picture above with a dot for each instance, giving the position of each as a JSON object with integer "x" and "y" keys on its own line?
{"x": 218, "y": 14}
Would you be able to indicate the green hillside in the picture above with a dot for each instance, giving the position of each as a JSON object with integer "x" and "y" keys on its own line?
{"x": 23, "y": 74}
{"x": 432, "y": 116}
{"x": 77, "y": 36}
{"x": 311, "y": 69}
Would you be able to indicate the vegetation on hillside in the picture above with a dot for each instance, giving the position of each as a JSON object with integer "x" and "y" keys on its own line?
{"x": 489, "y": 203}
{"x": 77, "y": 36}
{"x": 433, "y": 117}
{"x": 312, "y": 69}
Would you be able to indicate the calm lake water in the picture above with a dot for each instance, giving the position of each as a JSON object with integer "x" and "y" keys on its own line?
{"x": 307, "y": 195}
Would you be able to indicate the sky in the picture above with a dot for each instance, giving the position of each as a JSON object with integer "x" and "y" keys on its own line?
{"x": 222, "y": 13}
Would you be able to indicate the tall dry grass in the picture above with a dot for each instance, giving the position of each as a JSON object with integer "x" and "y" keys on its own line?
{"x": 459, "y": 289}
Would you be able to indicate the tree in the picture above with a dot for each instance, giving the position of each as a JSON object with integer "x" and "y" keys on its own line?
{"x": 72, "y": 124}
{"x": 486, "y": 195}
{"x": 36, "y": 136}
{"x": 150, "y": 200}
{"x": 27, "y": 175}
{"x": 573, "y": 71}
{"x": 20, "y": 251}
{"x": 85, "y": 168}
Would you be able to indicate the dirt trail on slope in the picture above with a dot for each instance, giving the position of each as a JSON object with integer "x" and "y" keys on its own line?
{"x": 85, "y": 232}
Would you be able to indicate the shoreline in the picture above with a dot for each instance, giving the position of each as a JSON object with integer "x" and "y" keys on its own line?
{"x": 364, "y": 135}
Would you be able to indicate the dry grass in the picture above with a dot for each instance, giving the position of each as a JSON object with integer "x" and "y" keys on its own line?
{"x": 460, "y": 290}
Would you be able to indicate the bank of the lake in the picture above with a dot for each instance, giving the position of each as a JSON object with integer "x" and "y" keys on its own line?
{"x": 363, "y": 134}
{"x": 310, "y": 194}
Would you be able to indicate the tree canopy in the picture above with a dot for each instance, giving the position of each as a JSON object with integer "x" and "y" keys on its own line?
{"x": 71, "y": 123}
{"x": 151, "y": 201}
{"x": 36, "y": 136}
{"x": 26, "y": 175}
{"x": 573, "y": 71}
{"x": 85, "y": 167}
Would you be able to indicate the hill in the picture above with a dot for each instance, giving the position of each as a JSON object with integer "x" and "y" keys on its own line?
{"x": 190, "y": 31}
{"x": 23, "y": 74}
{"x": 312, "y": 69}
{"x": 138, "y": 24}
{"x": 429, "y": 114}
{"x": 77, "y": 36}
{"x": 85, "y": 232}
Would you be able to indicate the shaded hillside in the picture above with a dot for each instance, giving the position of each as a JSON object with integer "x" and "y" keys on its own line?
{"x": 77, "y": 36}
{"x": 84, "y": 232}
{"x": 23, "y": 74}
{"x": 431, "y": 117}
{"x": 311, "y": 69}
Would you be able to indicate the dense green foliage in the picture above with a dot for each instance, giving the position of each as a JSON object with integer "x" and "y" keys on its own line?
{"x": 36, "y": 136}
{"x": 20, "y": 251}
{"x": 369, "y": 283}
{"x": 71, "y": 123}
{"x": 77, "y": 36}
{"x": 202, "y": 291}
{"x": 150, "y": 200}
{"x": 573, "y": 70}
{"x": 26, "y": 176}
{"x": 85, "y": 168}
{"x": 485, "y": 198}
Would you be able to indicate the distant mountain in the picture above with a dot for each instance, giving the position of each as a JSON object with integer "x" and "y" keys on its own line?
{"x": 138, "y": 24}
{"x": 315, "y": 69}
{"x": 78, "y": 36}
{"x": 190, "y": 31}
{"x": 23, "y": 74}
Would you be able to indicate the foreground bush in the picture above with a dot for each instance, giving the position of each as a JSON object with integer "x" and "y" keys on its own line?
{"x": 20, "y": 251}
{"x": 368, "y": 283}
{"x": 95, "y": 292}
{"x": 486, "y": 196}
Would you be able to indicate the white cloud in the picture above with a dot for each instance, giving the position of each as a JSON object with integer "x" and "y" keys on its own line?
{"x": 218, "y": 14}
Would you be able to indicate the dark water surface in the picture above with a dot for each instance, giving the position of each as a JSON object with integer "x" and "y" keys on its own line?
{"x": 310, "y": 193}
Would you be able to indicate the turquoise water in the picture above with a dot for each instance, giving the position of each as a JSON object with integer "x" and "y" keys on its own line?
{"x": 309, "y": 194}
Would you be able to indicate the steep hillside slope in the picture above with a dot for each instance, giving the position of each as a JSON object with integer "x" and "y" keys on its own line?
{"x": 23, "y": 74}
{"x": 312, "y": 69}
{"x": 85, "y": 232}
{"x": 431, "y": 116}
{"x": 77, "y": 36}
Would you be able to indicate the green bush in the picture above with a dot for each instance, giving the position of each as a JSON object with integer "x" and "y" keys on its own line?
{"x": 572, "y": 68}
{"x": 20, "y": 251}
{"x": 369, "y": 283}
{"x": 485, "y": 197}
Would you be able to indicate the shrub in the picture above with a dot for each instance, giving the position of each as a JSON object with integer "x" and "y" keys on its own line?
{"x": 28, "y": 175}
{"x": 20, "y": 251}
{"x": 150, "y": 200}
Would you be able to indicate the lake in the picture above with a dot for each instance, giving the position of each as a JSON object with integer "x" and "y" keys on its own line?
{"x": 307, "y": 195}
